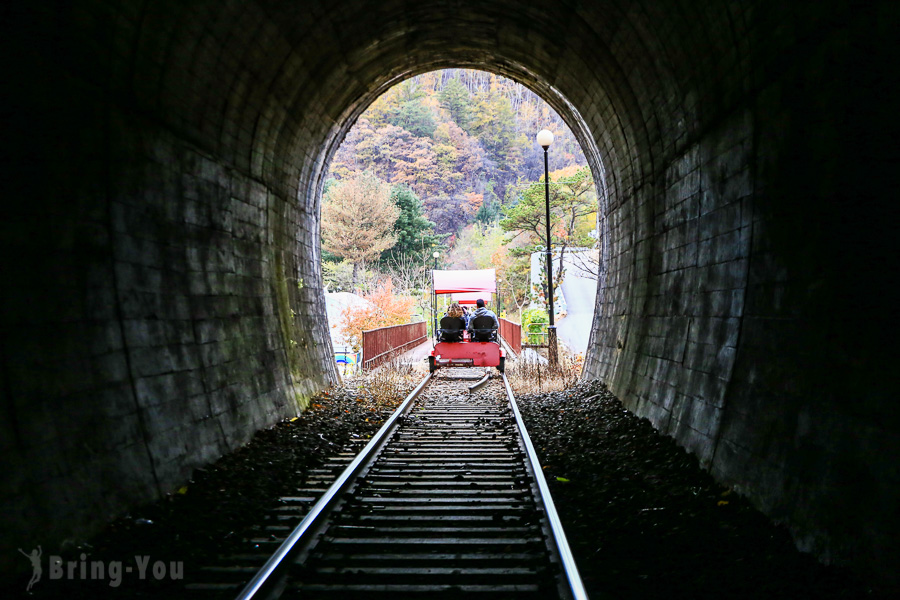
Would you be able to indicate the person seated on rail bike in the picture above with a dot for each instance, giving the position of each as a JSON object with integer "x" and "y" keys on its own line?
{"x": 453, "y": 324}
{"x": 483, "y": 324}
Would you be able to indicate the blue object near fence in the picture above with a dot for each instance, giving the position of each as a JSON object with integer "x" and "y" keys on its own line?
{"x": 347, "y": 358}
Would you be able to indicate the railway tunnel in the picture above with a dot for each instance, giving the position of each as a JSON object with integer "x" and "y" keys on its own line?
{"x": 163, "y": 170}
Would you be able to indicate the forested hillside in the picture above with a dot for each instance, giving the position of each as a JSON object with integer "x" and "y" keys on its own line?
{"x": 458, "y": 138}
{"x": 451, "y": 156}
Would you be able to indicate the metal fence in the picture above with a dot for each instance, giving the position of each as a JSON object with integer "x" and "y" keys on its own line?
{"x": 536, "y": 336}
{"x": 381, "y": 345}
{"x": 512, "y": 333}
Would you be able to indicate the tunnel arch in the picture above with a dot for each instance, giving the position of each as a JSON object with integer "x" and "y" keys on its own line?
{"x": 168, "y": 158}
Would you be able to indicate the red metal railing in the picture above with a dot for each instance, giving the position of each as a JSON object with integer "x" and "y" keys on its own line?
{"x": 382, "y": 344}
{"x": 512, "y": 333}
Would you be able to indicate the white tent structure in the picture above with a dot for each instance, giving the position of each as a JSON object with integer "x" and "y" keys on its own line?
{"x": 576, "y": 296}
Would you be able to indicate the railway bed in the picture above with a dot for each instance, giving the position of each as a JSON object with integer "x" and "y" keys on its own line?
{"x": 444, "y": 501}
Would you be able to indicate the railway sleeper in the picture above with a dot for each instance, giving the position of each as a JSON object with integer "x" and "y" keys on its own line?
{"x": 445, "y": 509}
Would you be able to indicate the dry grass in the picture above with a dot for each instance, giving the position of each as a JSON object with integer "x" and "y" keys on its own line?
{"x": 387, "y": 384}
{"x": 532, "y": 377}
{"x": 392, "y": 381}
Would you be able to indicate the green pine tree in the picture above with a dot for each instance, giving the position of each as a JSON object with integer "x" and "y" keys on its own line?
{"x": 415, "y": 117}
{"x": 455, "y": 98}
{"x": 414, "y": 231}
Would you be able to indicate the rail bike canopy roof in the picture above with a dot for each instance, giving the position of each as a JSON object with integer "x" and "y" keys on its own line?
{"x": 469, "y": 297}
{"x": 482, "y": 281}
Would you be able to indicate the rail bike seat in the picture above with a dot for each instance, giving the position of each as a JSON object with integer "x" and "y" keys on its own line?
{"x": 451, "y": 330}
{"x": 483, "y": 329}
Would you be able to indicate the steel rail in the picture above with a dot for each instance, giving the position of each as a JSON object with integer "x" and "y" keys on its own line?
{"x": 559, "y": 536}
{"x": 329, "y": 497}
{"x": 480, "y": 383}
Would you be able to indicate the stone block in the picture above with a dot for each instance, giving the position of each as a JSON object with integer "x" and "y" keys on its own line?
{"x": 156, "y": 389}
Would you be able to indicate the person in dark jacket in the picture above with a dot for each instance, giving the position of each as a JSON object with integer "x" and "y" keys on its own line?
{"x": 452, "y": 324}
{"x": 481, "y": 311}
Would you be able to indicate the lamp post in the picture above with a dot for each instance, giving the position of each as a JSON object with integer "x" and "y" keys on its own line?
{"x": 499, "y": 297}
{"x": 434, "y": 311}
{"x": 544, "y": 139}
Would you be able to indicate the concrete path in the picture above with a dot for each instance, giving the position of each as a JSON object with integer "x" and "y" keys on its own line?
{"x": 579, "y": 292}
{"x": 531, "y": 355}
{"x": 417, "y": 355}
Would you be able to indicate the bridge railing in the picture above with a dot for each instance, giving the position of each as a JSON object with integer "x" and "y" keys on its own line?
{"x": 512, "y": 333}
{"x": 536, "y": 336}
{"x": 382, "y": 344}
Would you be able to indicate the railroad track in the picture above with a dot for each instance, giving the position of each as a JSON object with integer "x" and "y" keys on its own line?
{"x": 447, "y": 500}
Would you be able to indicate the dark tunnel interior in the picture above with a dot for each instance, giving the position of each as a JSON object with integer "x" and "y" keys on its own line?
{"x": 163, "y": 170}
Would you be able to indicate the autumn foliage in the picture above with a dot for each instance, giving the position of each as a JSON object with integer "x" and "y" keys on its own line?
{"x": 457, "y": 148}
{"x": 383, "y": 310}
{"x": 459, "y": 139}
{"x": 358, "y": 219}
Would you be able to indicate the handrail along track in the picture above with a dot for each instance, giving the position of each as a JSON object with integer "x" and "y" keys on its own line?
{"x": 272, "y": 579}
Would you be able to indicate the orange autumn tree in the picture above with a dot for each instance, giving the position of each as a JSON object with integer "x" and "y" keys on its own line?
{"x": 358, "y": 218}
{"x": 383, "y": 310}
{"x": 473, "y": 203}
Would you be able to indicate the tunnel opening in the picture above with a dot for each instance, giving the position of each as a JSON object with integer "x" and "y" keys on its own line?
{"x": 169, "y": 163}
{"x": 456, "y": 148}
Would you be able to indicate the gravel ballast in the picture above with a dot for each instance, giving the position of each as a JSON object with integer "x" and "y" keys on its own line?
{"x": 215, "y": 513}
{"x": 643, "y": 519}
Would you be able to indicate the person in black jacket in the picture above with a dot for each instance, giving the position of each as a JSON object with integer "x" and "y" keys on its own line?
{"x": 481, "y": 311}
{"x": 453, "y": 324}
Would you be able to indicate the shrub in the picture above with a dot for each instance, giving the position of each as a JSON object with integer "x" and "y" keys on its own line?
{"x": 385, "y": 309}
{"x": 534, "y": 315}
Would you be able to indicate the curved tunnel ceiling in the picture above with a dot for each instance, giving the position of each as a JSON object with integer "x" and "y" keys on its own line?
{"x": 271, "y": 92}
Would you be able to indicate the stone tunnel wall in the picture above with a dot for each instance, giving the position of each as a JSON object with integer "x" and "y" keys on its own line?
{"x": 165, "y": 160}
{"x": 161, "y": 300}
{"x": 745, "y": 310}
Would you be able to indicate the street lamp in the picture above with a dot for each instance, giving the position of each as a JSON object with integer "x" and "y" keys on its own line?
{"x": 499, "y": 297}
{"x": 544, "y": 139}
{"x": 434, "y": 254}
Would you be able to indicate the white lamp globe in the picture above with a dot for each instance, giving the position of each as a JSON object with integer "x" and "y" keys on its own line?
{"x": 545, "y": 138}
{"x": 435, "y": 254}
